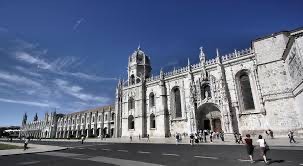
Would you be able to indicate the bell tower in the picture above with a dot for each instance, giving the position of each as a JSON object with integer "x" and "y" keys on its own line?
{"x": 138, "y": 67}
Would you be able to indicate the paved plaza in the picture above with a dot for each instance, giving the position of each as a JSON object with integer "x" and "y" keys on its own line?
{"x": 152, "y": 153}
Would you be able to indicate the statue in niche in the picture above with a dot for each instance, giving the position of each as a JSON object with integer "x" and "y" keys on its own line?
{"x": 206, "y": 95}
{"x": 204, "y": 75}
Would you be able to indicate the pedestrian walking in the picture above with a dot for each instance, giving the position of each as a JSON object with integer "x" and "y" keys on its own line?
{"x": 211, "y": 134}
{"x": 201, "y": 136}
{"x": 263, "y": 148}
{"x": 130, "y": 138}
{"x": 249, "y": 147}
{"x": 26, "y": 141}
{"x": 291, "y": 136}
{"x": 271, "y": 134}
{"x": 191, "y": 139}
{"x": 82, "y": 139}
{"x": 177, "y": 138}
{"x": 147, "y": 137}
{"x": 196, "y": 139}
{"x": 222, "y": 136}
{"x": 204, "y": 135}
{"x": 139, "y": 137}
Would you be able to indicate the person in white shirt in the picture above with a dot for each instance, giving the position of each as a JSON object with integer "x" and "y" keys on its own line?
{"x": 263, "y": 148}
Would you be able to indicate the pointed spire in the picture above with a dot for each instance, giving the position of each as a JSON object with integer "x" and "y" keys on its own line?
{"x": 36, "y": 117}
{"x": 217, "y": 51}
{"x": 139, "y": 46}
{"x": 202, "y": 55}
{"x": 218, "y": 56}
{"x": 188, "y": 62}
{"x": 24, "y": 119}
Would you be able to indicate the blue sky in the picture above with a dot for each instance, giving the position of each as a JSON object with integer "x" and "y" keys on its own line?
{"x": 68, "y": 55}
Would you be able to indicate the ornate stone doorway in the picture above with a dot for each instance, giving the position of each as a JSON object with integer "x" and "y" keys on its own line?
{"x": 208, "y": 116}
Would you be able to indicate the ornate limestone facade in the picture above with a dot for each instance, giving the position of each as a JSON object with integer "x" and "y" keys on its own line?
{"x": 90, "y": 123}
{"x": 251, "y": 90}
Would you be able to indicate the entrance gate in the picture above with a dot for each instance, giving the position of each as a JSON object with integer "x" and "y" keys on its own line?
{"x": 208, "y": 117}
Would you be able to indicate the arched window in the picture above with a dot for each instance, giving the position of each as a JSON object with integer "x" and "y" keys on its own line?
{"x": 244, "y": 89}
{"x": 113, "y": 116}
{"x": 93, "y": 119}
{"x": 206, "y": 91}
{"x": 131, "y": 103}
{"x": 152, "y": 121}
{"x": 131, "y": 122}
{"x": 105, "y": 116}
{"x": 132, "y": 80}
{"x": 151, "y": 99}
{"x": 176, "y": 102}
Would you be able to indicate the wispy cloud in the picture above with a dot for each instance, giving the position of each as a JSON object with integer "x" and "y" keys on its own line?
{"x": 31, "y": 103}
{"x": 26, "y": 57}
{"x": 2, "y": 29}
{"x": 17, "y": 79}
{"x": 58, "y": 66}
{"x": 77, "y": 24}
{"x": 76, "y": 91}
{"x": 27, "y": 71}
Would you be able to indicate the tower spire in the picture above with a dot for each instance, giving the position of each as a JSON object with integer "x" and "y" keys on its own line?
{"x": 202, "y": 56}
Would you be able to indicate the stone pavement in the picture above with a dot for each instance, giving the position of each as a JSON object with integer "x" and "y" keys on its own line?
{"x": 277, "y": 142}
{"x": 32, "y": 148}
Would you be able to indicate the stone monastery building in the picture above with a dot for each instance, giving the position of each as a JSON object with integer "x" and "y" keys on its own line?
{"x": 247, "y": 91}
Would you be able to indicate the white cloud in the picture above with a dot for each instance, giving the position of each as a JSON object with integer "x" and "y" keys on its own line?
{"x": 58, "y": 66}
{"x": 90, "y": 77}
{"x": 23, "y": 56}
{"x": 26, "y": 71}
{"x": 76, "y": 91}
{"x": 19, "y": 79}
{"x": 78, "y": 23}
{"x": 31, "y": 103}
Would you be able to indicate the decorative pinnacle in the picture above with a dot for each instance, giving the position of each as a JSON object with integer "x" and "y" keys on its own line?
{"x": 202, "y": 55}
{"x": 217, "y": 51}
{"x": 139, "y": 46}
{"x": 188, "y": 62}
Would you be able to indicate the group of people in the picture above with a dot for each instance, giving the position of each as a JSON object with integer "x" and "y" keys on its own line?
{"x": 202, "y": 135}
{"x": 264, "y": 148}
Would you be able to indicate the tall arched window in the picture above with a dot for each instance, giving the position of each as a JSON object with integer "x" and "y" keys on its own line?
{"x": 105, "y": 116}
{"x": 131, "y": 122}
{"x": 176, "y": 102}
{"x": 113, "y": 116}
{"x": 244, "y": 88}
{"x": 151, "y": 99}
{"x": 131, "y": 103}
{"x": 152, "y": 121}
{"x": 132, "y": 80}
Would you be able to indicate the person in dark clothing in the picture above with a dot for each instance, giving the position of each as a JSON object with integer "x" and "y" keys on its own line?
{"x": 191, "y": 137}
{"x": 249, "y": 147}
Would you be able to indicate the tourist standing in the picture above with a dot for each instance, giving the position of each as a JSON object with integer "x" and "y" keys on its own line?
{"x": 271, "y": 133}
{"x": 130, "y": 138}
{"x": 26, "y": 143}
{"x": 147, "y": 137}
{"x": 222, "y": 136}
{"x": 191, "y": 137}
{"x": 139, "y": 137}
{"x": 204, "y": 135}
{"x": 177, "y": 139}
{"x": 82, "y": 139}
{"x": 249, "y": 147}
{"x": 291, "y": 136}
{"x": 211, "y": 134}
{"x": 263, "y": 148}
